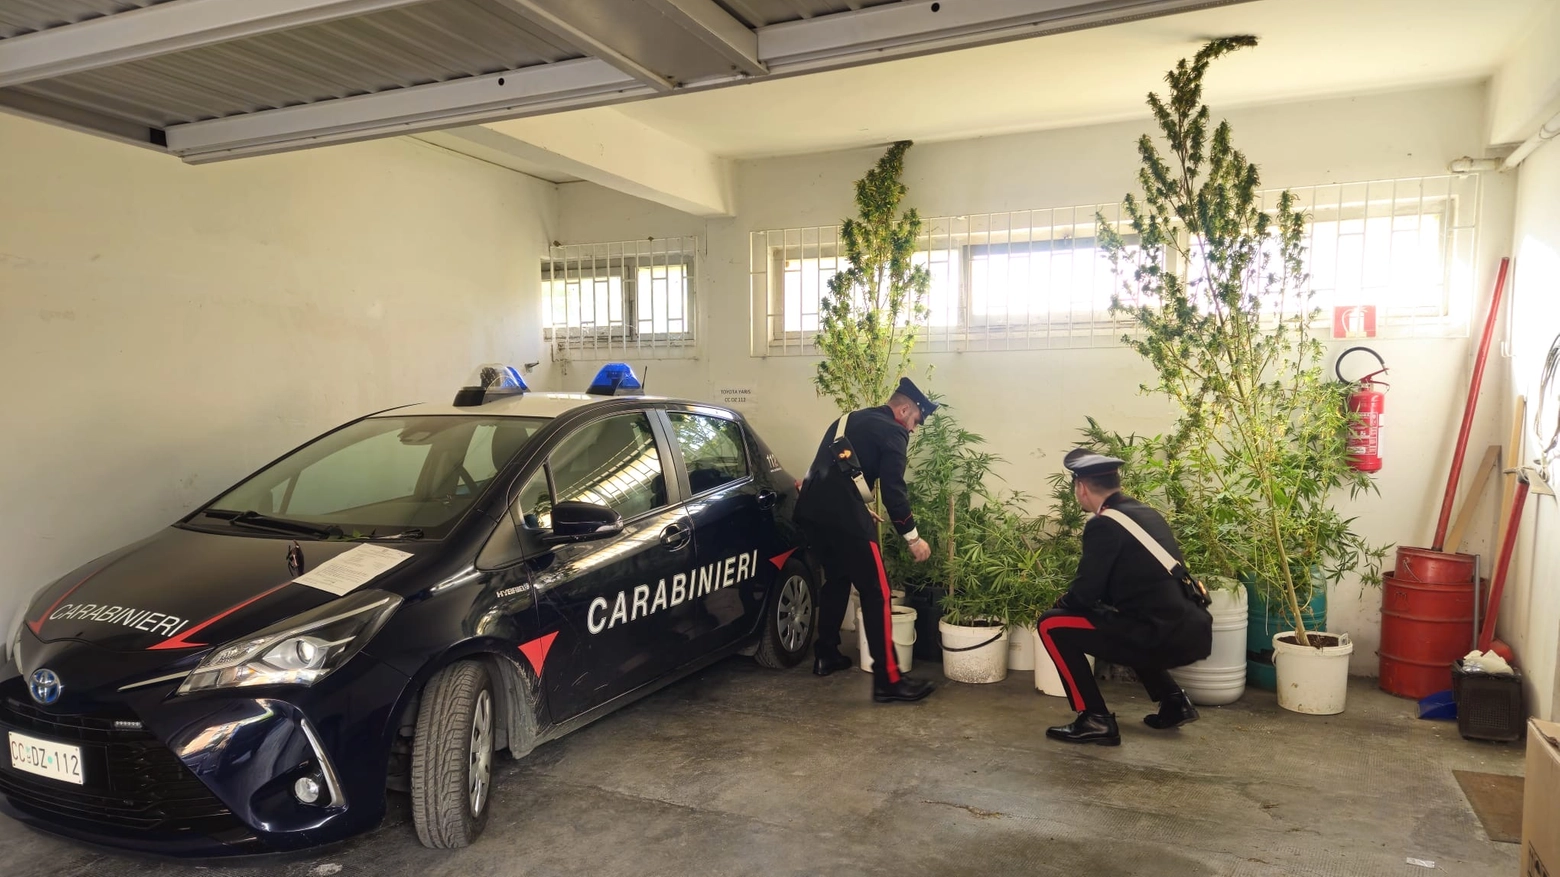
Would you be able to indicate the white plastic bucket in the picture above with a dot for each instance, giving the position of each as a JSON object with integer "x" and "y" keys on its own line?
{"x": 1312, "y": 680}
{"x": 904, "y": 639}
{"x": 1021, "y": 648}
{"x": 1220, "y": 678}
{"x": 1047, "y": 679}
{"x": 974, "y": 654}
{"x": 896, "y": 597}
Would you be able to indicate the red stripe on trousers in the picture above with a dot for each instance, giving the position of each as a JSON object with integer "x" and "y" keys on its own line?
{"x": 890, "y": 659}
{"x": 1065, "y": 621}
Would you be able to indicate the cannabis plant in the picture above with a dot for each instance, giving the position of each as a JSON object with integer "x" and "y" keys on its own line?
{"x": 868, "y": 318}
{"x": 948, "y": 473}
{"x": 1217, "y": 291}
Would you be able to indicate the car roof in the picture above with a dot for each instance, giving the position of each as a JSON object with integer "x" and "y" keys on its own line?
{"x": 528, "y": 405}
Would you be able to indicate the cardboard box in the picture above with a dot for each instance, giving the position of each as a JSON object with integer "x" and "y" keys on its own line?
{"x": 1541, "y": 801}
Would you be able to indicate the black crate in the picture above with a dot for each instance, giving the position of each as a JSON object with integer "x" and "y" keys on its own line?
{"x": 1488, "y": 707}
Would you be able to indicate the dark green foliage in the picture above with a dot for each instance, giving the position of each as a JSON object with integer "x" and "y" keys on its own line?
{"x": 868, "y": 319}
{"x": 1218, "y": 294}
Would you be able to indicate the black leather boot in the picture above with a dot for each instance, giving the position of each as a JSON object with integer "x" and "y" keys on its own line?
{"x": 1097, "y": 728}
{"x": 903, "y": 691}
{"x": 823, "y": 665}
{"x": 1174, "y": 711}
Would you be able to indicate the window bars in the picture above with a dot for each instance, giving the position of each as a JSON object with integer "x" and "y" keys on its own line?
{"x": 1036, "y": 279}
{"x": 625, "y": 298}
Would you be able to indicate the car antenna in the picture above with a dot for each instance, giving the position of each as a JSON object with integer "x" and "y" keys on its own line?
{"x": 644, "y": 382}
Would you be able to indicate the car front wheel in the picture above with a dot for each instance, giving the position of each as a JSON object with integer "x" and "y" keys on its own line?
{"x": 790, "y": 620}
{"x": 452, "y": 756}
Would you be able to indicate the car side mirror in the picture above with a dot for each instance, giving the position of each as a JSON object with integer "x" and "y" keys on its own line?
{"x": 582, "y": 522}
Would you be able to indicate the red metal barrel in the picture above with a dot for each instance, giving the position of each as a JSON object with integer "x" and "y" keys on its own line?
{"x": 1435, "y": 567}
{"x": 1425, "y": 626}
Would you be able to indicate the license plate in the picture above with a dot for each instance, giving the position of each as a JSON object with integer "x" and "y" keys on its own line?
{"x": 45, "y": 758}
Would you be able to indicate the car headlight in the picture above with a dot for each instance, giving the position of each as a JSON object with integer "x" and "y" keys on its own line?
{"x": 299, "y": 651}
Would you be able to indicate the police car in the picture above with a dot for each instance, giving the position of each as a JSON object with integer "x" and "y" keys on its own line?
{"x": 390, "y": 605}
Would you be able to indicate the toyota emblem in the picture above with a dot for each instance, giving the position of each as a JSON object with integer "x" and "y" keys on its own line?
{"x": 45, "y": 686}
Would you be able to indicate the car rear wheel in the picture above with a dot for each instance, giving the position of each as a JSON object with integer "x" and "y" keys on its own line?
{"x": 791, "y": 619}
{"x": 452, "y": 756}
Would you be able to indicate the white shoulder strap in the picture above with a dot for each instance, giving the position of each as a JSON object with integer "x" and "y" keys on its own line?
{"x": 1142, "y": 536}
{"x": 844, "y": 419}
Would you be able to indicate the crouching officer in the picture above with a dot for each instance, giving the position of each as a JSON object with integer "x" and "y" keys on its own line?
{"x": 835, "y": 512}
{"x": 1130, "y": 603}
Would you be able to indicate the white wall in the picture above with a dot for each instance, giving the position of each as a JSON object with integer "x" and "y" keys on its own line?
{"x": 1530, "y": 612}
{"x": 166, "y": 329}
{"x": 1031, "y": 404}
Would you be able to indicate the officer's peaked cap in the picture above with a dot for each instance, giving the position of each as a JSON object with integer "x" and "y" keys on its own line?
{"x": 910, "y": 391}
{"x": 1082, "y": 461}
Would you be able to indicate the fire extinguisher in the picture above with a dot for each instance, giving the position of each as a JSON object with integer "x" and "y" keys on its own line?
{"x": 1366, "y": 404}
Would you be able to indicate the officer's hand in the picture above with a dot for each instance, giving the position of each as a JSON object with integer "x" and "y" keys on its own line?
{"x": 920, "y": 550}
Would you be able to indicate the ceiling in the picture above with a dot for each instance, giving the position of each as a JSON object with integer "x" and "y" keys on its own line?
{"x": 209, "y": 80}
{"x": 1309, "y": 48}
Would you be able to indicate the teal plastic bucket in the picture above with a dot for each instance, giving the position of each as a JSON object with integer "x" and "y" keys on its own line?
{"x": 1263, "y": 625}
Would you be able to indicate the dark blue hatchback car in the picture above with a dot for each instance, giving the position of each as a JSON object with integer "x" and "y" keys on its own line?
{"x": 387, "y": 607}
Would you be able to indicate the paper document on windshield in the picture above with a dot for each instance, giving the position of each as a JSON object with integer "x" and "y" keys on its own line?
{"x": 353, "y": 569}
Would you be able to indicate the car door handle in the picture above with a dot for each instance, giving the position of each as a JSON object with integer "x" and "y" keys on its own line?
{"x": 675, "y": 537}
{"x": 767, "y": 499}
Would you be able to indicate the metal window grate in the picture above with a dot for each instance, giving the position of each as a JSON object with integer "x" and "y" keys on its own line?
{"x": 625, "y": 298}
{"x": 1036, "y": 279}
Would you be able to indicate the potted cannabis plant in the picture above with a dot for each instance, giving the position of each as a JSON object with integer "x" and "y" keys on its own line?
{"x": 948, "y": 473}
{"x": 1216, "y": 289}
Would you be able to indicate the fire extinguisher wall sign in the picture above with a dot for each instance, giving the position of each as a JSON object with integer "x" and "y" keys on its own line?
{"x": 1366, "y": 403}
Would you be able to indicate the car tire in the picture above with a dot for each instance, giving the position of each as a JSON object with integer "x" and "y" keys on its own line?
{"x": 790, "y": 619}
{"x": 452, "y": 756}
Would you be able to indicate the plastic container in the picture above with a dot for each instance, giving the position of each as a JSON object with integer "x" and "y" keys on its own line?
{"x": 1220, "y": 678}
{"x": 904, "y": 639}
{"x": 1263, "y": 625}
{"x": 1021, "y": 648}
{"x": 1313, "y": 680}
{"x": 974, "y": 654}
{"x": 1489, "y": 706}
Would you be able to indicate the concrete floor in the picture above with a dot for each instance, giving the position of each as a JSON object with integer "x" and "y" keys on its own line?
{"x": 741, "y": 770}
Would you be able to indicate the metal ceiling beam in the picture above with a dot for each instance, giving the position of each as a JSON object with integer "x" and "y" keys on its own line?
{"x": 158, "y": 30}
{"x": 827, "y": 42}
{"x": 542, "y": 14}
{"x": 76, "y": 118}
{"x": 515, "y": 93}
{"x": 716, "y": 28}
{"x": 898, "y": 30}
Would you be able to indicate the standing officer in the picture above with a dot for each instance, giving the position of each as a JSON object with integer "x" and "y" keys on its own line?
{"x": 1124, "y": 606}
{"x": 835, "y": 512}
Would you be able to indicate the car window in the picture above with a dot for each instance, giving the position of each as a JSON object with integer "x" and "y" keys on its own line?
{"x": 712, "y": 450}
{"x": 534, "y": 505}
{"x": 377, "y": 469}
{"x": 611, "y": 462}
{"x": 390, "y": 472}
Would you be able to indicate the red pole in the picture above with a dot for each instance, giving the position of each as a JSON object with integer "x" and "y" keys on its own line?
{"x": 1473, "y": 402}
{"x": 1503, "y": 563}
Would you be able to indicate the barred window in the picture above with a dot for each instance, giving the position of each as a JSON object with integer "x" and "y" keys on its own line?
{"x": 1034, "y": 279}
{"x": 625, "y": 297}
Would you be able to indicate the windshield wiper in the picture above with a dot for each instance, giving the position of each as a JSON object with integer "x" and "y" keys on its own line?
{"x": 258, "y": 521}
{"x": 407, "y": 535}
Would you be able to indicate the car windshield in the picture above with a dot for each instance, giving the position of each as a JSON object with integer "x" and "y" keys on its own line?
{"x": 379, "y": 478}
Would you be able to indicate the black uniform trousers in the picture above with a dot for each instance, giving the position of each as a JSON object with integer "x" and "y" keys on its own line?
{"x": 852, "y": 560}
{"x": 1070, "y": 636}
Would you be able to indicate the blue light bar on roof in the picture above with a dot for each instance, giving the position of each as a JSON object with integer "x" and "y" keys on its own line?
{"x": 614, "y": 378}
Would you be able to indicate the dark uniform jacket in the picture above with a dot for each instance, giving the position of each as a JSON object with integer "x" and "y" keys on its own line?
{"x": 830, "y": 499}
{"x": 1126, "y": 592}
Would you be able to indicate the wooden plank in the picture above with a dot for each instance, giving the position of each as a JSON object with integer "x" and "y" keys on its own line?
{"x": 1514, "y": 455}
{"x": 1474, "y": 496}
